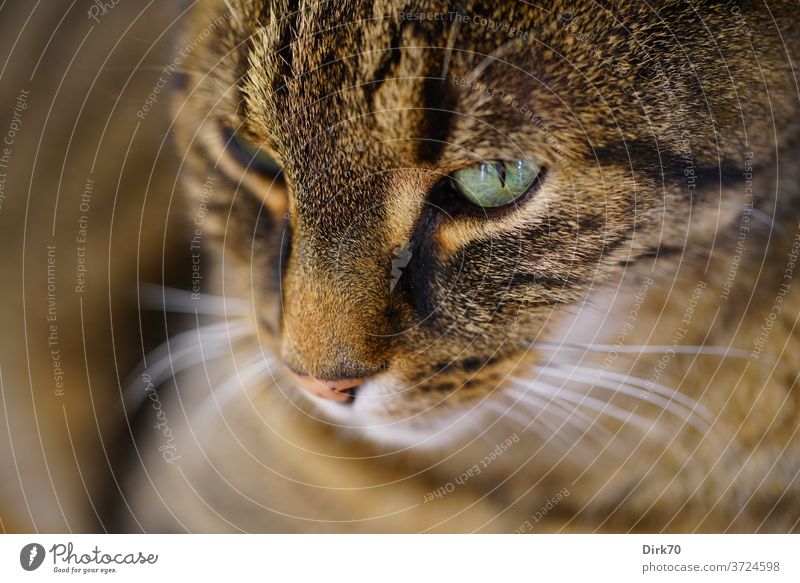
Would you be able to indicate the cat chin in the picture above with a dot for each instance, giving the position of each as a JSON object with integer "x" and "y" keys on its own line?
{"x": 369, "y": 417}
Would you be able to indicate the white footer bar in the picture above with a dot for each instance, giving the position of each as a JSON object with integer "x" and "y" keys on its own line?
{"x": 400, "y": 558}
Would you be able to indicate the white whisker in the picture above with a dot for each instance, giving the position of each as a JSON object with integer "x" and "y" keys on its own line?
{"x": 627, "y": 417}
{"x": 698, "y": 416}
{"x": 157, "y": 297}
{"x": 571, "y": 411}
{"x": 238, "y": 383}
{"x": 570, "y": 417}
{"x": 663, "y": 390}
{"x": 179, "y": 353}
{"x": 684, "y": 413}
{"x": 723, "y": 351}
{"x": 528, "y": 424}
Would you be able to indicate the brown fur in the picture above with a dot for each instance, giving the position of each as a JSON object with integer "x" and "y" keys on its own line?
{"x": 643, "y": 115}
{"x": 629, "y": 100}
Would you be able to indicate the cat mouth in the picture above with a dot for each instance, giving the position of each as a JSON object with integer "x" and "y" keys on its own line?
{"x": 341, "y": 391}
{"x": 341, "y": 396}
{"x": 379, "y": 411}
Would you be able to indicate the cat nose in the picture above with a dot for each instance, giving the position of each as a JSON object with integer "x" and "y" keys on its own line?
{"x": 341, "y": 390}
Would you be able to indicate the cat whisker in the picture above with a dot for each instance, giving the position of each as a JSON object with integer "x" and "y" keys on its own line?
{"x": 158, "y": 297}
{"x": 581, "y": 419}
{"x": 569, "y": 417}
{"x": 543, "y": 408}
{"x": 178, "y": 353}
{"x": 539, "y": 425}
{"x": 583, "y": 422}
{"x": 259, "y": 367}
{"x": 697, "y": 415}
{"x": 679, "y": 410}
{"x": 663, "y": 390}
{"x": 691, "y": 412}
{"x": 617, "y": 444}
{"x": 591, "y": 431}
{"x": 629, "y": 418}
{"x": 578, "y": 415}
{"x": 723, "y": 351}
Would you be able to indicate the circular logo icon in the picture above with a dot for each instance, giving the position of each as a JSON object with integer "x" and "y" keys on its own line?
{"x": 31, "y": 556}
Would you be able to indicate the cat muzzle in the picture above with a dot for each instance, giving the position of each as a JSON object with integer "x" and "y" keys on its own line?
{"x": 340, "y": 390}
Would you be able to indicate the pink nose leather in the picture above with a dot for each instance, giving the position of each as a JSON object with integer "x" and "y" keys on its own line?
{"x": 339, "y": 390}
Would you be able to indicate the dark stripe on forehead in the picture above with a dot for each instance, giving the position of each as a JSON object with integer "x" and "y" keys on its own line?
{"x": 437, "y": 118}
{"x": 388, "y": 62}
{"x": 288, "y": 35}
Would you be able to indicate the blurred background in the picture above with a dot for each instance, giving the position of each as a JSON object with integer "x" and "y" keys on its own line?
{"x": 86, "y": 206}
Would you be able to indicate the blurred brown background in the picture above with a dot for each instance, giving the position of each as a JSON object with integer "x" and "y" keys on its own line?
{"x": 85, "y": 188}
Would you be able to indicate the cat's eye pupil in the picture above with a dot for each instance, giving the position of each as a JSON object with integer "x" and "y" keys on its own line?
{"x": 501, "y": 174}
{"x": 495, "y": 184}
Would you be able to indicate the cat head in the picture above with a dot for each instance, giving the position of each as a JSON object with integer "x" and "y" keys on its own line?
{"x": 413, "y": 196}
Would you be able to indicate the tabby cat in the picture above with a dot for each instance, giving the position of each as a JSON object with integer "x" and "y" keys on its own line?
{"x": 482, "y": 267}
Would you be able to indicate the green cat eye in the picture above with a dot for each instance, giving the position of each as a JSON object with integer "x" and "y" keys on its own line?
{"x": 495, "y": 184}
{"x": 252, "y": 156}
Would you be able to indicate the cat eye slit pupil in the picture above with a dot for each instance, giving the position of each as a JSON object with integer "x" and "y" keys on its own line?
{"x": 501, "y": 174}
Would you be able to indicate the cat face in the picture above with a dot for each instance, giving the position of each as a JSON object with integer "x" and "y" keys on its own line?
{"x": 413, "y": 200}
